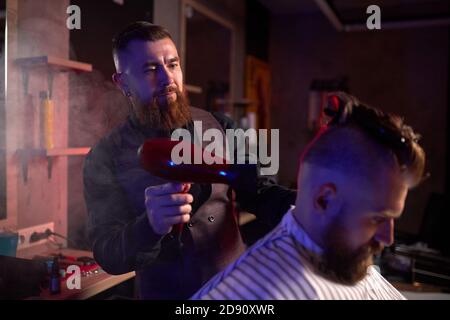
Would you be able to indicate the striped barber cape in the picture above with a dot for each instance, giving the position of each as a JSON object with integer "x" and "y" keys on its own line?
{"x": 276, "y": 268}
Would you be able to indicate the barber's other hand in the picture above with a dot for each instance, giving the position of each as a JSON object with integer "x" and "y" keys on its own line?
{"x": 168, "y": 204}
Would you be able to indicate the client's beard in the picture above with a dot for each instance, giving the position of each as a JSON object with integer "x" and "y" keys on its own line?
{"x": 173, "y": 115}
{"x": 342, "y": 264}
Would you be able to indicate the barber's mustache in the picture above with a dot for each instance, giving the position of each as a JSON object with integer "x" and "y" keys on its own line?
{"x": 166, "y": 90}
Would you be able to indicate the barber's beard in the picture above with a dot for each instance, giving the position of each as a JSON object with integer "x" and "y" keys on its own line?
{"x": 343, "y": 264}
{"x": 167, "y": 116}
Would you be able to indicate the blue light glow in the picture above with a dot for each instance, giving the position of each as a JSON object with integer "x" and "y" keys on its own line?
{"x": 222, "y": 173}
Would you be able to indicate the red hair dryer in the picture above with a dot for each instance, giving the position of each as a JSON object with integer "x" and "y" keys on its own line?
{"x": 156, "y": 157}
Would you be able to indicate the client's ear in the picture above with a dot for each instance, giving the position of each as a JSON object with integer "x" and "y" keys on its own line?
{"x": 326, "y": 200}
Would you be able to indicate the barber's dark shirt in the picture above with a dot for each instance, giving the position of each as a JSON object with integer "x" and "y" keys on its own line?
{"x": 122, "y": 238}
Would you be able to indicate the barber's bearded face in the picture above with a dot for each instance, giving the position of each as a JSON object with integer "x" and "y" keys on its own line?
{"x": 345, "y": 263}
{"x": 153, "y": 79}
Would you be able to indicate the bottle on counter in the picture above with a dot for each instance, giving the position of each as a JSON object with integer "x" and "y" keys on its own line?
{"x": 55, "y": 277}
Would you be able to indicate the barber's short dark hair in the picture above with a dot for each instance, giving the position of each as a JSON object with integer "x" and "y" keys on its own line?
{"x": 139, "y": 30}
{"x": 386, "y": 135}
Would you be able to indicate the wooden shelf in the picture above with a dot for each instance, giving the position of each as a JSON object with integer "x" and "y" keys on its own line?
{"x": 246, "y": 217}
{"x": 240, "y": 102}
{"x": 67, "y": 152}
{"x": 52, "y": 65}
{"x": 54, "y": 62}
{"x": 26, "y": 155}
{"x": 193, "y": 89}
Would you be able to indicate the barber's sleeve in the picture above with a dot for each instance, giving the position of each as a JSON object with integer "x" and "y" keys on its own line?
{"x": 266, "y": 199}
{"x": 121, "y": 242}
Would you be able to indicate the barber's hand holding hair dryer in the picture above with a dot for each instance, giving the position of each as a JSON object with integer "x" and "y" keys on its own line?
{"x": 169, "y": 205}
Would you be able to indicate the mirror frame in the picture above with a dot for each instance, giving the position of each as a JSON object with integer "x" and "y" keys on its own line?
{"x": 216, "y": 18}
